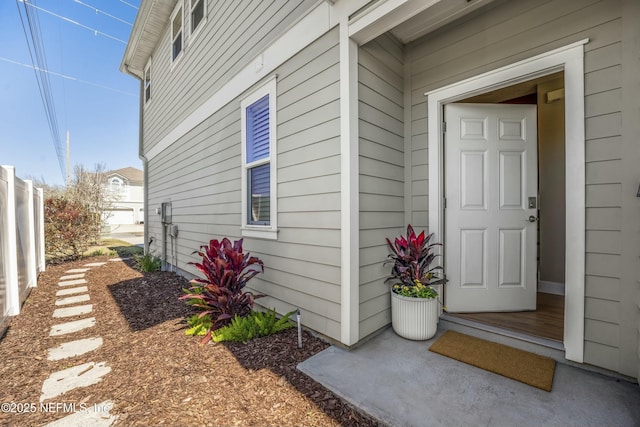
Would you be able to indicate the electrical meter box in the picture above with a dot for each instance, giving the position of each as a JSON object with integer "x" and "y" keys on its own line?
{"x": 166, "y": 213}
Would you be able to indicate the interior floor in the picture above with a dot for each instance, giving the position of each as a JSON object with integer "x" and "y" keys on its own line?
{"x": 546, "y": 322}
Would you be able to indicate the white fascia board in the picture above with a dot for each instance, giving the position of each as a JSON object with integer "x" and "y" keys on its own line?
{"x": 384, "y": 17}
{"x": 303, "y": 33}
{"x": 134, "y": 39}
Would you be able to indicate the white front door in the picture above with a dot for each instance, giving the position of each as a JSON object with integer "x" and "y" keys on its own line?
{"x": 490, "y": 189}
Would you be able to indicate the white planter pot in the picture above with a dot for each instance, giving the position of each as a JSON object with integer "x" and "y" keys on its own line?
{"x": 414, "y": 318}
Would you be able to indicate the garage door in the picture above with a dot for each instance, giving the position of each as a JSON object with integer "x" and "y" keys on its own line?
{"x": 120, "y": 216}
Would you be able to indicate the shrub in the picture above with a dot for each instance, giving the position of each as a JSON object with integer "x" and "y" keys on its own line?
{"x": 255, "y": 325}
{"x": 147, "y": 262}
{"x": 220, "y": 295}
{"x": 67, "y": 228}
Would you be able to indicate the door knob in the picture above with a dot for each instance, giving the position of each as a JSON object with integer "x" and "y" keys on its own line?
{"x": 532, "y": 218}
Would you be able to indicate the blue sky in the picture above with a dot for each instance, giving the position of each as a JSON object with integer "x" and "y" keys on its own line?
{"x": 99, "y": 109}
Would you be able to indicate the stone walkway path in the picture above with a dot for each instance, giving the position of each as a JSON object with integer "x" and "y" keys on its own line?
{"x": 74, "y": 300}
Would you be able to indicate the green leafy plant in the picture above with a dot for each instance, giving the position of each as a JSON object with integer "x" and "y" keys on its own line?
{"x": 147, "y": 262}
{"x": 418, "y": 290}
{"x": 256, "y": 324}
{"x": 411, "y": 256}
{"x": 198, "y": 326}
{"x": 220, "y": 295}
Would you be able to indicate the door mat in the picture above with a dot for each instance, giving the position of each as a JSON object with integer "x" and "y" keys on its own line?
{"x": 510, "y": 362}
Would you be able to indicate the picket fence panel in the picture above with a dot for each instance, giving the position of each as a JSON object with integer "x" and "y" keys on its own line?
{"x": 21, "y": 241}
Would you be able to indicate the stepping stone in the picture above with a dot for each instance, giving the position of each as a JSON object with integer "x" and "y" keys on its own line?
{"x": 83, "y": 375}
{"x": 71, "y": 291}
{"x": 73, "y": 311}
{"x": 72, "y": 276}
{"x": 78, "y": 270}
{"x": 95, "y": 264}
{"x": 72, "y": 300}
{"x": 96, "y": 415}
{"x": 72, "y": 282}
{"x": 74, "y": 348}
{"x": 119, "y": 259}
{"x": 70, "y": 327}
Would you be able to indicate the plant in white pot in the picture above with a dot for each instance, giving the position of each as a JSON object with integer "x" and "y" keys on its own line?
{"x": 414, "y": 301}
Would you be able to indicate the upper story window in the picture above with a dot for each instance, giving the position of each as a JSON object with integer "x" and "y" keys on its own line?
{"x": 176, "y": 32}
{"x": 198, "y": 12}
{"x": 147, "y": 82}
{"x": 259, "y": 201}
{"x": 117, "y": 186}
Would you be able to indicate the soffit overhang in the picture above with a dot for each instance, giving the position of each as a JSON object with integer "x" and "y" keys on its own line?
{"x": 148, "y": 28}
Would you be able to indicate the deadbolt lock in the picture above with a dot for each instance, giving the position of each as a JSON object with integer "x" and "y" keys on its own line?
{"x": 533, "y": 202}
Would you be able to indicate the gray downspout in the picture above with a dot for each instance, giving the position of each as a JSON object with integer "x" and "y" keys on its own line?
{"x": 142, "y": 157}
{"x": 145, "y": 170}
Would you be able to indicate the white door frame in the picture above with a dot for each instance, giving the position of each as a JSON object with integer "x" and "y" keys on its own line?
{"x": 569, "y": 59}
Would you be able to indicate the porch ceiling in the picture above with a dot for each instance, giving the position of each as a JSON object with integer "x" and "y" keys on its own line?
{"x": 436, "y": 16}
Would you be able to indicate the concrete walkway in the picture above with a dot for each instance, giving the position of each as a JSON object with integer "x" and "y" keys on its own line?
{"x": 401, "y": 383}
{"x": 83, "y": 375}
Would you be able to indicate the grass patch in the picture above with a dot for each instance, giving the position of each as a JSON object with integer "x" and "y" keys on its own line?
{"x": 114, "y": 247}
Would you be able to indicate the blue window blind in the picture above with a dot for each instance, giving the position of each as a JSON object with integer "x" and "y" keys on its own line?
{"x": 259, "y": 195}
{"x": 258, "y": 130}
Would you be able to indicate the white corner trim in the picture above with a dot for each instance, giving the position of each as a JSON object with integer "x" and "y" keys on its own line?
{"x": 569, "y": 58}
{"x": 349, "y": 188}
{"x": 308, "y": 29}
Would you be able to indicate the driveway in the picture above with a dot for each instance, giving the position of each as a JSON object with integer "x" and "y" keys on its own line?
{"x": 130, "y": 233}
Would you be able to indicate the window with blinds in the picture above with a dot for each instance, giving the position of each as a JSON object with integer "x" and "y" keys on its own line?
{"x": 257, "y": 152}
{"x": 258, "y": 163}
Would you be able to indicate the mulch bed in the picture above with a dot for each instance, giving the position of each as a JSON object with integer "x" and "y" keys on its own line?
{"x": 159, "y": 375}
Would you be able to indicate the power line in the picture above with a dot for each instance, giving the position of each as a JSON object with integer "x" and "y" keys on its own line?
{"x": 36, "y": 48}
{"x": 103, "y": 12}
{"x": 128, "y": 4}
{"x": 64, "y": 18}
{"x": 64, "y": 76}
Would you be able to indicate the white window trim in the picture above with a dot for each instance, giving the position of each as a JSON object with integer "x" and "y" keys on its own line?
{"x": 251, "y": 230}
{"x": 204, "y": 18}
{"x": 147, "y": 68}
{"x": 569, "y": 58}
{"x": 179, "y": 5}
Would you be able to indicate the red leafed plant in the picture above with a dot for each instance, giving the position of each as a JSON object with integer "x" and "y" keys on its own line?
{"x": 411, "y": 257}
{"x": 220, "y": 295}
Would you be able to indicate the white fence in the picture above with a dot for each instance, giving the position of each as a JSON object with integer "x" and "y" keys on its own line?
{"x": 21, "y": 241}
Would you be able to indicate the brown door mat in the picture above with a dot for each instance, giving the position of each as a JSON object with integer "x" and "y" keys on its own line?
{"x": 510, "y": 362}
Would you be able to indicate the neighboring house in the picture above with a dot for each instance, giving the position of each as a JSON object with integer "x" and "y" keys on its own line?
{"x": 126, "y": 187}
{"x": 315, "y": 129}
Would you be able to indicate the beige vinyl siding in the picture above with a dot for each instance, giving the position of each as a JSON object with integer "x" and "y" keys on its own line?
{"x": 511, "y": 31}
{"x": 381, "y": 162}
{"x": 201, "y": 175}
{"x": 234, "y": 33}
